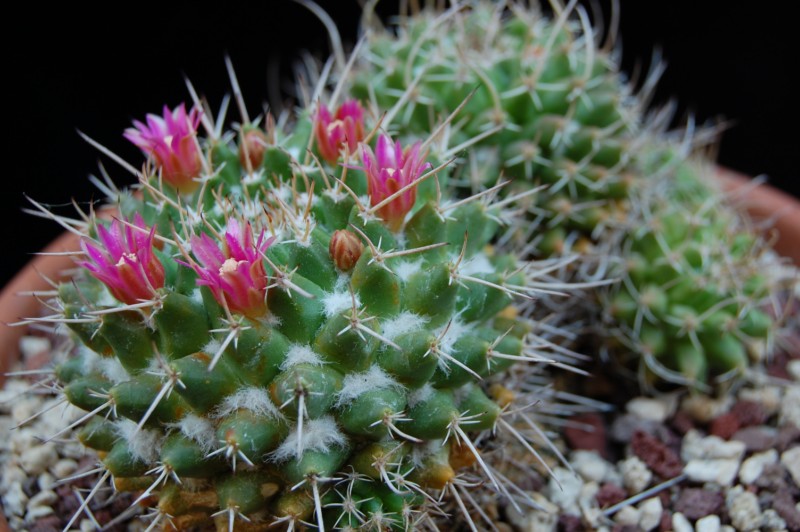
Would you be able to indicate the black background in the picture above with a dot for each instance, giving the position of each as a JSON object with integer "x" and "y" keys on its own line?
{"x": 68, "y": 68}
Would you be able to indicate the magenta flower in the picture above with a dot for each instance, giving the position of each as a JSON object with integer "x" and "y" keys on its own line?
{"x": 171, "y": 142}
{"x": 125, "y": 261}
{"x": 388, "y": 170}
{"x": 346, "y": 129}
{"x": 235, "y": 274}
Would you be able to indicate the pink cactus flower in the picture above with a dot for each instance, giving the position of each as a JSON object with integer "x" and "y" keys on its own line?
{"x": 125, "y": 261}
{"x": 346, "y": 129}
{"x": 171, "y": 142}
{"x": 388, "y": 170}
{"x": 235, "y": 274}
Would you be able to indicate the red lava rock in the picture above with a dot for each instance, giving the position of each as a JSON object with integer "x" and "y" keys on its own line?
{"x": 724, "y": 426}
{"x": 665, "y": 525}
{"x": 682, "y": 422}
{"x": 773, "y": 478}
{"x": 48, "y": 523}
{"x": 787, "y": 435}
{"x": 695, "y": 503}
{"x": 749, "y": 413}
{"x": 610, "y": 494}
{"x": 570, "y": 523}
{"x": 626, "y": 528}
{"x": 776, "y": 367}
{"x": 658, "y": 457}
{"x": 757, "y": 439}
{"x": 784, "y": 505}
{"x": 594, "y": 440}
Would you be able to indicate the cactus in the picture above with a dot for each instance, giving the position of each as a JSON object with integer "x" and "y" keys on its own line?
{"x": 547, "y": 106}
{"x": 298, "y": 324}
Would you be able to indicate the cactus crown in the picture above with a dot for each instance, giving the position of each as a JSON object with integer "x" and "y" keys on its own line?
{"x": 300, "y": 324}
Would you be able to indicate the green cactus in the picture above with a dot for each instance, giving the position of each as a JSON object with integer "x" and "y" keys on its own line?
{"x": 272, "y": 334}
{"x": 545, "y": 105}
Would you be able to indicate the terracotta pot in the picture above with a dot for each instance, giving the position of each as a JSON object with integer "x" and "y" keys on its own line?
{"x": 15, "y": 306}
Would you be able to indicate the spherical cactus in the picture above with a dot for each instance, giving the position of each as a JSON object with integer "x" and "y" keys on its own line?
{"x": 699, "y": 292}
{"x": 301, "y": 328}
{"x": 540, "y": 101}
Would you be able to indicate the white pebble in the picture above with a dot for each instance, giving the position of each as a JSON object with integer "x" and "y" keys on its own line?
{"x": 591, "y": 466}
{"x": 753, "y": 467}
{"x": 696, "y": 447}
{"x": 743, "y": 509}
{"x": 703, "y": 409}
{"x": 636, "y": 476}
{"x": 544, "y": 520}
{"x": 43, "y": 498}
{"x": 25, "y": 407}
{"x": 38, "y": 512}
{"x": 772, "y": 522}
{"x": 790, "y": 407}
{"x": 767, "y": 396}
{"x": 709, "y": 523}
{"x": 791, "y": 461}
{"x": 39, "y": 458}
{"x": 87, "y": 525}
{"x": 680, "y": 523}
{"x": 627, "y": 516}
{"x": 566, "y": 495}
{"x": 727, "y": 528}
{"x": 13, "y": 474}
{"x": 793, "y": 367}
{"x": 650, "y": 514}
{"x": 14, "y": 500}
{"x": 719, "y": 471}
{"x": 64, "y": 468}
{"x": 651, "y": 409}
{"x": 45, "y": 481}
{"x": 33, "y": 345}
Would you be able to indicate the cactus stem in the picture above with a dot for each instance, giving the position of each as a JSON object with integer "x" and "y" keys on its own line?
{"x": 234, "y": 329}
{"x": 158, "y": 515}
{"x": 233, "y": 512}
{"x": 389, "y": 419}
{"x": 317, "y": 504}
{"x": 452, "y": 205}
{"x": 283, "y": 279}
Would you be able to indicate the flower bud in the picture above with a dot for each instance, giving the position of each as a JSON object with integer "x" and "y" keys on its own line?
{"x": 345, "y": 249}
{"x": 252, "y": 148}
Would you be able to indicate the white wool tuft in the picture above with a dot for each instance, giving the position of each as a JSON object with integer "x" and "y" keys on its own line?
{"x": 90, "y": 361}
{"x": 419, "y": 395}
{"x": 476, "y": 265}
{"x": 405, "y": 270}
{"x": 301, "y": 354}
{"x": 457, "y": 330}
{"x": 402, "y": 323}
{"x": 356, "y": 384}
{"x": 144, "y": 444}
{"x": 318, "y": 435}
{"x": 338, "y": 302}
{"x": 423, "y": 450}
{"x": 113, "y": 370}
{"x": 252, "y": 398}
{"x": 198, "y": 429}
{"x": 212, "y": 347}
